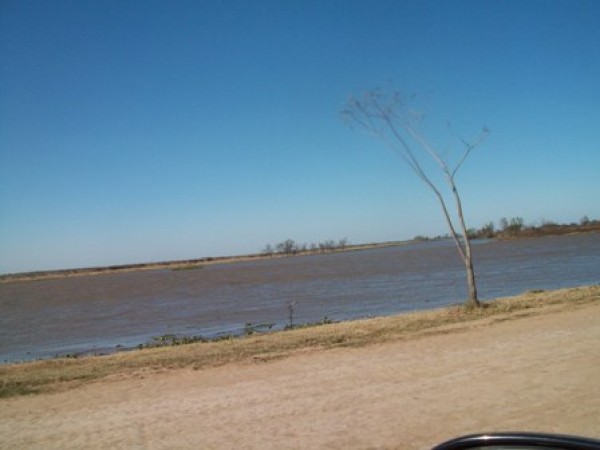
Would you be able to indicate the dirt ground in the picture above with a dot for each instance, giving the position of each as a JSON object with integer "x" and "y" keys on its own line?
{"x": 537, "y": 373}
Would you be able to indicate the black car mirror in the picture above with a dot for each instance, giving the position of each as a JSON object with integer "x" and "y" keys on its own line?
{"x": 520, "y": 441}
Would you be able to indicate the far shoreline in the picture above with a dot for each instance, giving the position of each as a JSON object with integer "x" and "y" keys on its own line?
{"x": 190, "y": 264}
{"x": 186, "y": 264}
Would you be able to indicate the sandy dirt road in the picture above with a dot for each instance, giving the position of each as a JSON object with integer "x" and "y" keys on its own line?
{"x": 538, "y": 373}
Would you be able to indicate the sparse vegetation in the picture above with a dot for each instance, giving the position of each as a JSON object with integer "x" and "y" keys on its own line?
{"x": 188, "y": 267}
{"x": 65, "y": 373}
{"x": 291, "y": 310}
{"x": 325, "y": 321}
{"x": 252, "y": 328}
{"x": 291, "y": 247}
{"x": 516, "y": 227}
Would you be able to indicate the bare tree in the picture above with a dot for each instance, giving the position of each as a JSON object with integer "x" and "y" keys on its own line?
{"x": 287, "y": 247}
{"x": 389, "y": 117}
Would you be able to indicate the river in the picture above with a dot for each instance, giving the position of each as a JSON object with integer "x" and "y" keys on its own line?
{"x": 42, "y": 319}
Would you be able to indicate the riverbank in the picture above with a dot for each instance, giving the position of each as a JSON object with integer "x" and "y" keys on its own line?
{"x": 65, "y": 373}
{"x": 524, "y": 363}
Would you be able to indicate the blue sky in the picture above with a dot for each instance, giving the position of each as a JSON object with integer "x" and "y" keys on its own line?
{"x": 136, "y": 131}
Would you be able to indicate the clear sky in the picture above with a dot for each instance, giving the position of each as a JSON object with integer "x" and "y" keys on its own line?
{"x": 136, "y": 131}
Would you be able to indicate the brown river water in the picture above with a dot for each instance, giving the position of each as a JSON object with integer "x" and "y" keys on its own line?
{"x": 95, "y": 314}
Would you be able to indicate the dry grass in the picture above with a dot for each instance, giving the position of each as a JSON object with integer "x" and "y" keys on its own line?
{"x": 60, "y": 374}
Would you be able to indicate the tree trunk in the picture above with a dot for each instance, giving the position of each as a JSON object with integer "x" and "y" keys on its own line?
{"x": 464, "y": 248}
{"x": 473, "y": 300}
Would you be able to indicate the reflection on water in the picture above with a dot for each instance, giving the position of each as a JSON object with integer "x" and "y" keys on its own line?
{"x": 97, "y": 313}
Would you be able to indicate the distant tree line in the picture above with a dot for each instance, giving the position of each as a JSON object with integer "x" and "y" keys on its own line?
{"x": 291, "y": 247}
{"x": 516, "y": 226}
{"x": 506, "y": 228}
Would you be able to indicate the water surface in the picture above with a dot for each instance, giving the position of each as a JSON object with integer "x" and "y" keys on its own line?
{"x": 97, "y": 313}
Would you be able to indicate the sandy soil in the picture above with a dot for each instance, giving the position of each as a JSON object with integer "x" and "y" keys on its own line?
{"x": 536, "y": 373}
